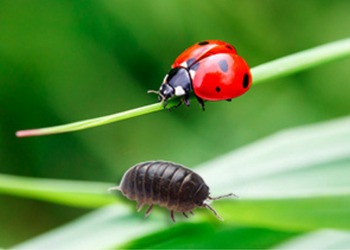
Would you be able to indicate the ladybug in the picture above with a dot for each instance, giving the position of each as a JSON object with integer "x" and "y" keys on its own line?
{"x": 211, "y": 70}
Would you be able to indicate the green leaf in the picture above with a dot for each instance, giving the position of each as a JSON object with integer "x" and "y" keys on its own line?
{"x": 72, "y": 193}
{"x": 291, "y": 214}
{"x": 292, "y": 181}
{"x": 101, "y": 229}
{"x": 118, "y": 227}
{"x": 210, "y": 236}
{"x": 321, "y": 239}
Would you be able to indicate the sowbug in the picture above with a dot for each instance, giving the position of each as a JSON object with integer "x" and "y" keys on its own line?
{"x": 167, "y": 184}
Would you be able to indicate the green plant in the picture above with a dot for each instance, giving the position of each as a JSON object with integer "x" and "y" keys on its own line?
{"x": 292, "y": 184}
{"x": 286, "y": 190}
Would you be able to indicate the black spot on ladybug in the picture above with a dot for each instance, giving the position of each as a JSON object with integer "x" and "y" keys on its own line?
{"x": 217, "y": 89}
{"x": 190, "y": 61}
{"x": 203, "y": 43}
{"x": 195, "y": 66}
{"x": 245, "y": 80}
{"x": 229, "y": 47}
{"x": 223, "y": 65}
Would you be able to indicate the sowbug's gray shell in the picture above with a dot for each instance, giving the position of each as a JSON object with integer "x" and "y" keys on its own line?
{"x": 167, "y": 184}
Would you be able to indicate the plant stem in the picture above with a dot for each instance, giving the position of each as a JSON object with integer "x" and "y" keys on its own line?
{"x": 267, "y": 71}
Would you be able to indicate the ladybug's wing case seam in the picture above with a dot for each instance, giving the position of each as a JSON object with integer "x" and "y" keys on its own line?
{"x": 197, "y": 52}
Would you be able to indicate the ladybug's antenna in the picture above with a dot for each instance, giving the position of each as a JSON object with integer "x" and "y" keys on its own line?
{"x": 156, "y": 92}
{"x": 153, "y": 91}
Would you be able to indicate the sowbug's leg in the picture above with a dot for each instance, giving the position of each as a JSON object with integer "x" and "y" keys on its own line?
{"x": 139, "y": 206}
{"x": 172, "y": 216}
{"x": 185, "y": 214}
{"x": 149, "y": 210}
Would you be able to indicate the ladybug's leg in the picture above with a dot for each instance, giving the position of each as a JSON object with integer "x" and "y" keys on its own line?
{"x": 177, "y": 105}
{"x": 187, "y": 100}
{"x": 201, "y": 102}
{"x": 170, "y": 109}
{"x": 165, "y": 103}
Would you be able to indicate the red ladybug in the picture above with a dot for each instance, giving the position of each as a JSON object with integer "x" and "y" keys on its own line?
{"x": 211, "y": 69}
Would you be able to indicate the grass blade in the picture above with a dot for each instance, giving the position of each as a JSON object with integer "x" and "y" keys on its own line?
{"x": 90, "y": 123}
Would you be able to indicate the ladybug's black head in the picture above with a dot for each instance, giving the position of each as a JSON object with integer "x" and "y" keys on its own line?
{"x": 166, "y": 91}
{"x": 176, "y": 83}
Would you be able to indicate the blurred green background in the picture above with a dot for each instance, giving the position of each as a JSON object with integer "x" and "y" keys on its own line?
{"x": 64, "y": 61}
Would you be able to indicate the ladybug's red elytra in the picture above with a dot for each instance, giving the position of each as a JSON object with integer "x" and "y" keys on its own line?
{"x": 210, "y": 69}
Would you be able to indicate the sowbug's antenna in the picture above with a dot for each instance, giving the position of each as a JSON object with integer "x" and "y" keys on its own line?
{"x": 114, "y": 188}
{"x": 205, "y": 204}
{"x": 223, "y": 196}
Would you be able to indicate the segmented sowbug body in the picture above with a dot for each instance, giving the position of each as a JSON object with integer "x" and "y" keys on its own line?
{"x": 167, "y": 184}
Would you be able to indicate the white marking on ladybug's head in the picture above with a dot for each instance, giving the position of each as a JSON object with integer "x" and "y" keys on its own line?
{"x": 179, "y": 91}
{"x": 192, "y": 73}
{"x": 184, "y": 64}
